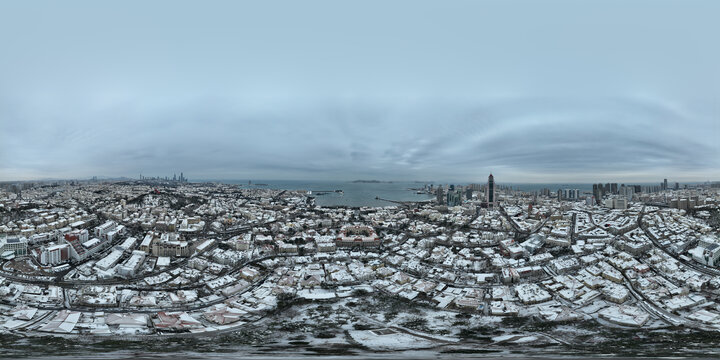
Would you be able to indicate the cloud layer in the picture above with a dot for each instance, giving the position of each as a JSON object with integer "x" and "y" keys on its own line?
{"x": 521, "y": 139}
{"x": 558, "y": 92}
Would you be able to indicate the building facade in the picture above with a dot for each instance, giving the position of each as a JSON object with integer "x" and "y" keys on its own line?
{"x": 16, "y": 244}
{"x": 490, "y": 192}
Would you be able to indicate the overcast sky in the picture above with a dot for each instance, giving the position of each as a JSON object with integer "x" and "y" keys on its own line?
{"x": 533, "y": 91}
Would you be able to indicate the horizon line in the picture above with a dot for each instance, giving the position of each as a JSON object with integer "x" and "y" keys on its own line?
{"x": 201, "y": 180}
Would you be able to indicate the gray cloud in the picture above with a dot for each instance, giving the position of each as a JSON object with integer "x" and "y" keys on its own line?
{"x": 531, "y": 137}
{"x": 558, "y": 92}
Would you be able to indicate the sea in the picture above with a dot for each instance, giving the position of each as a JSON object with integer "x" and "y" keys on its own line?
{"x": 376, "y": 193}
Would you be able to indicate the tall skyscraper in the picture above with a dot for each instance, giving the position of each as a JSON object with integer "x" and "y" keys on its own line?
{"x": 440, "y": 195}
{"x": 490, "y": 191}
{"x": 665, "y": 184}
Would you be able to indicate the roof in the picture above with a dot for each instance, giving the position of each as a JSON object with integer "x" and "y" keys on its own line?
{"x": 63, "y": 322}
{"x": 92, "y": 242}
{"x": 147, "y": 240}
{"x": 129, "y": 319}
{"x": 109, "y": 260}
{"x": 163, "y": 261}
{"x": 56, "y": 247}
{"x": 128, "y": 243}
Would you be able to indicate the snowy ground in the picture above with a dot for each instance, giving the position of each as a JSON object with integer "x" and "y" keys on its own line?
{"x": 381, "y": 325}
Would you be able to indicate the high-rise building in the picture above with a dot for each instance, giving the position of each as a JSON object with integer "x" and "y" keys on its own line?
{"x": 490, "y": 192}
{"x": 453, "y": 198}
{"x": 598, "y": 192}
{"x": 665, "y": 184}
{"x": 439, "y": 194}
{"x": 627, "y": 192}
{"x": 570, "y": 194}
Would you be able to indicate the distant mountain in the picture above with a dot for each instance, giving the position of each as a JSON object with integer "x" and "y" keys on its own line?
{"x": 371, "y": 181}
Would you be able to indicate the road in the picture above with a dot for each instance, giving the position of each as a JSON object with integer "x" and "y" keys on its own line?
{"x": 647, "y": 304}
{"x": 691, "y": 264}
{"x": 522, "y": 232}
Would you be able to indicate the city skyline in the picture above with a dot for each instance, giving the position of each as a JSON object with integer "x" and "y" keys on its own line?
{"x": 252, "y": 181}
{"x": 315, "y": 93}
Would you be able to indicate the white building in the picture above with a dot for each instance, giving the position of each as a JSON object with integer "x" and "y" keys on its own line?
{"x": 709, "y": 255}
{"x": 16, "y": 244}
{"x": 128, "y": 244}
{"x": 146, "y": 244}
{"x": 616, "y": 203}
{"x": 55, "y": 254}
{"x": 129, "y": 267}
{"x": 110, "y": 260}
{"x": 82, "y": 250}
{"x": 103, "y": 229}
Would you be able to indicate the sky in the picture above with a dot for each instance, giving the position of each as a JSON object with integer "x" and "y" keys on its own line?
{"x": 532, "y": 91}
